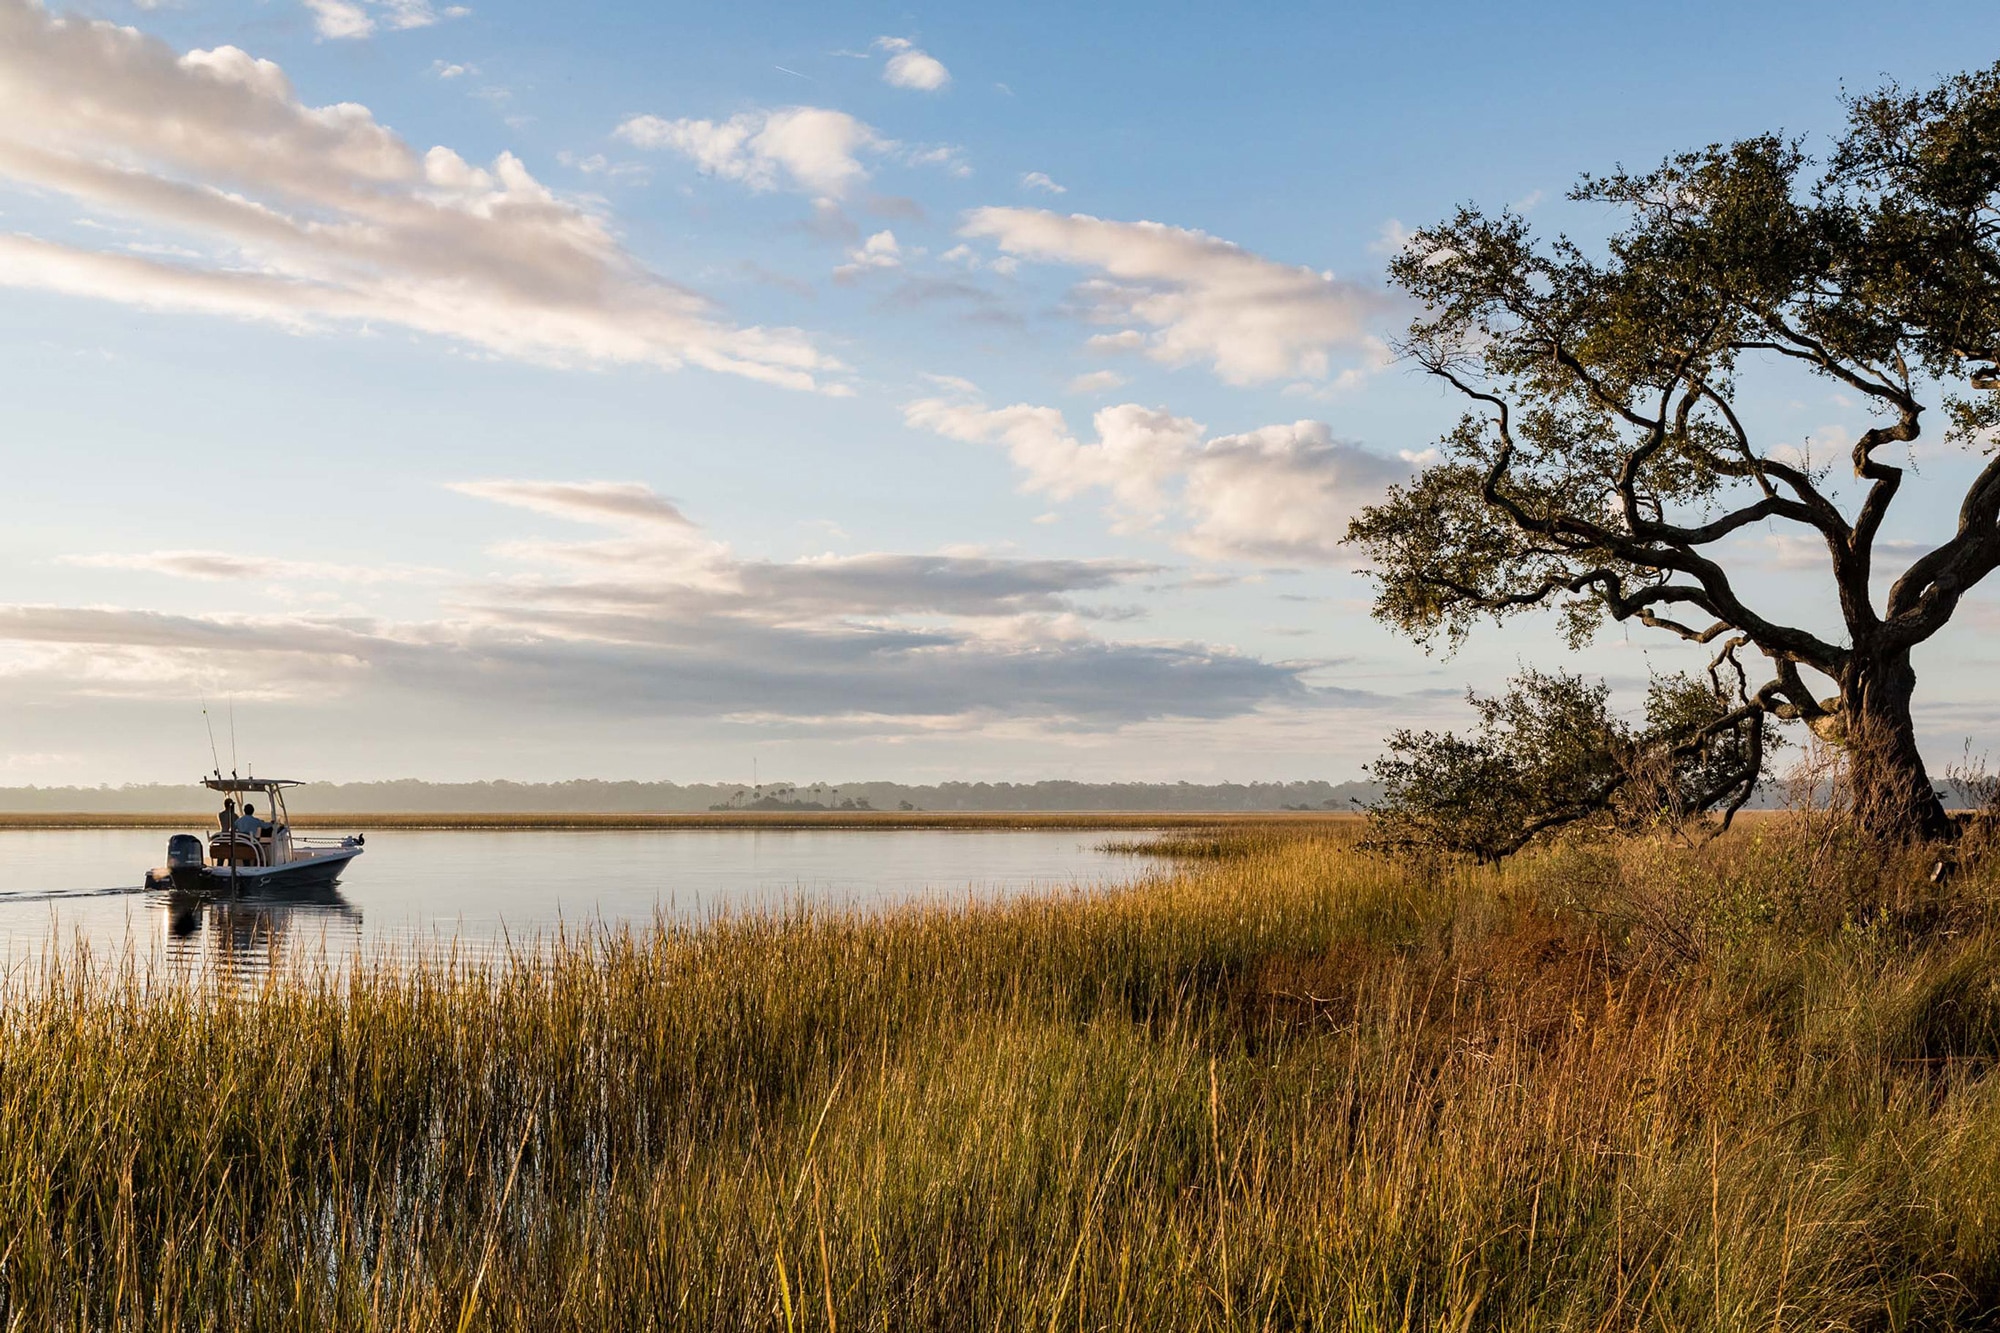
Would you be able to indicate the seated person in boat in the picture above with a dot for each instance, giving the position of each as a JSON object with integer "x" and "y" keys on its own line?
{"x": 228, "y": 816}
{"x": 247, "y": 822}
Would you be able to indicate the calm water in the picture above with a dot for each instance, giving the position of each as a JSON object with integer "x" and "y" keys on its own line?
{"x": 482, "y": 890}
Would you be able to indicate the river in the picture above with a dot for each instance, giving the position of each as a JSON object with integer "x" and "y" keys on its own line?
{"x": 487, "y": 892}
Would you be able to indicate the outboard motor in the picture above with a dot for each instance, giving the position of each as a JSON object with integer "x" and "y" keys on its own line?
{"x": 184, "y": 852}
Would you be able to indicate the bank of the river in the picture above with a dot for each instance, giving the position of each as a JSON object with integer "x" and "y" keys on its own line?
{"x": 720, "y": 819}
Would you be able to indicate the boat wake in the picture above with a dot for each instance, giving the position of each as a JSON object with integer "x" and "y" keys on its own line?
{"x": 61, "y": 895}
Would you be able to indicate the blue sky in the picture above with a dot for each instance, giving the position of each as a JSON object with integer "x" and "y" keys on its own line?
{"x": 540, "y": 391}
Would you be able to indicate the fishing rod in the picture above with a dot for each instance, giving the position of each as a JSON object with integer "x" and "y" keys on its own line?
{"x": 209, "y": 722}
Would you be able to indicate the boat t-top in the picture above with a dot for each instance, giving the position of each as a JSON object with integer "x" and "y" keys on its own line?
{"x": 250, "y": 853}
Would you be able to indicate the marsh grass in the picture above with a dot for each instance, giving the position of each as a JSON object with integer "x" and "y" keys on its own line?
{"x": 1630, "y": 1085}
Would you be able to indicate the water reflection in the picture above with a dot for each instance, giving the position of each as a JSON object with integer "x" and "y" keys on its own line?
{"x": 245, "y": 937}
{"x": 487, "y": 896}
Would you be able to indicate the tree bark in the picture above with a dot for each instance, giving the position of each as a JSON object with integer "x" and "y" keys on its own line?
{"x": 1891, "y": 789}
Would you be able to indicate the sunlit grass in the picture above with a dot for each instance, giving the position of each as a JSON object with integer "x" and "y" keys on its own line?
{"x": 1742, "y": 1087}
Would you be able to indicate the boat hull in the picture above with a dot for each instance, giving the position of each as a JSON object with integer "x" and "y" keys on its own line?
{"x": 312, "y": 872}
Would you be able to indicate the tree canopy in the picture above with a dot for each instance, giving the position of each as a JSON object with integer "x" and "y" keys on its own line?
{"x": 1607, "y": 455}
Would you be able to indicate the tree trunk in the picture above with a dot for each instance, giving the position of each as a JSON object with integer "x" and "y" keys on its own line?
{"x": 1890, "y": 787}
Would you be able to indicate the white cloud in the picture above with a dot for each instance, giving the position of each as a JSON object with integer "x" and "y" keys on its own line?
{"x": 1391, "y": 239}
{"x": 1055, "y": 461}
{"x": 809, "y": 148}
{"x": 349, "y": 20}
{"x": 340, "y": 19}
{"x": 1204, "y": 299}
{"x": 445, "y": 69}
{"x": 879, "y": 251}
{"x": 1039, "y": 180}
{"x": 1097, "y": 381}
{"x": 910, "y": 67}
{"x": 321, "y": 216}
{"x": 1282, "y": 493}
{"x": 966, "y": 257}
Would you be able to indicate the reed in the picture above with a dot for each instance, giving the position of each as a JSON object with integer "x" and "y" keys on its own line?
{"x": 1638, "y": 1085}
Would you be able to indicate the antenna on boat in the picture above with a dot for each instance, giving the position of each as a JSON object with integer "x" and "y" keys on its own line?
{"x": 209, "y": 722}
{"x": 232, "y": 737}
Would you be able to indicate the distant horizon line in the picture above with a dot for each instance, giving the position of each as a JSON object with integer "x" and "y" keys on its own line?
{"x": 632, "y": 796}
{"x": 718, "y": 783}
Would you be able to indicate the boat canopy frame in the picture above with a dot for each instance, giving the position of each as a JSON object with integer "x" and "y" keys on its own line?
{"x": 272, "y": 788}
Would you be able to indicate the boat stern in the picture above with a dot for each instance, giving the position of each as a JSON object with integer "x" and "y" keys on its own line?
{"x": 186, "y": 866}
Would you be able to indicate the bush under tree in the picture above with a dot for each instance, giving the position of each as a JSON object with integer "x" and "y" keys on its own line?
{"x": 1550, "y": 753}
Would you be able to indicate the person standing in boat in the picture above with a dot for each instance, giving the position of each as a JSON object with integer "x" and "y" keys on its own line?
{"x": 228, "y": 815}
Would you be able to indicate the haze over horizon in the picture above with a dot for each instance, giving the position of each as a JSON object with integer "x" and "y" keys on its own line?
{"x": 500, "y": 391}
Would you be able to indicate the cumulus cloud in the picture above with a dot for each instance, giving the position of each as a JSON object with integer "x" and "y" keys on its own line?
{"x": 1279, "y": 494}
{"x": 313, "y": 217}
{"x": 910, "y": 67}
{"x": 1199, "y": 298}
{"x": 879, "y": 251}
{"x": 1039, "y": 180}
{"x": 806, "y": 148}
{"x": 881, "y": 641}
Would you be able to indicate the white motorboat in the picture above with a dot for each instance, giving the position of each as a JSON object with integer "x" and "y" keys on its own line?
{"x": 248, "y": 859}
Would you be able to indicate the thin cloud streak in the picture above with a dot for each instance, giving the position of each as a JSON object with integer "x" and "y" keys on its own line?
{"x": 224, "y": 567}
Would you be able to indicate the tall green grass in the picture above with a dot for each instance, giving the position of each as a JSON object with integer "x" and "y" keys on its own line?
{"x": 1742, "y": 1086}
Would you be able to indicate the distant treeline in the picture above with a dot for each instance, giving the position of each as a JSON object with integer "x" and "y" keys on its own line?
{"x": 591, "y": 796}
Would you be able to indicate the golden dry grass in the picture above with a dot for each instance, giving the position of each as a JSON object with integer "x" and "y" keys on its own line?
{"x": 1747, "y": 1086}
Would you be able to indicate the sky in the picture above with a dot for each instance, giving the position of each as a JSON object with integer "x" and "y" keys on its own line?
{"x": 849, "y": 391}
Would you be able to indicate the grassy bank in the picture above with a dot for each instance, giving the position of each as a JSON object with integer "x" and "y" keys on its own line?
{"x": 1283, "y": 1086}
{"x": 719, "y": 819}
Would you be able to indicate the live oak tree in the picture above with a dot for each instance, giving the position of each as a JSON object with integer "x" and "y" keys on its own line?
{"x": 1609, "y": 453}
